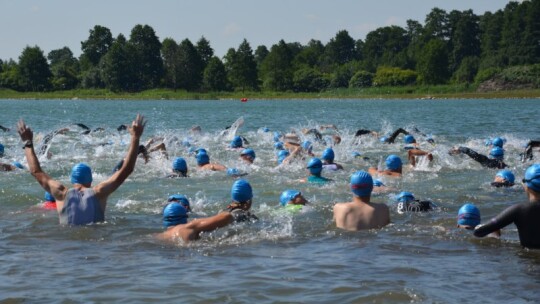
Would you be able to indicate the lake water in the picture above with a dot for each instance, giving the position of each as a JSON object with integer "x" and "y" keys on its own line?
{"x": 280, "y": 259}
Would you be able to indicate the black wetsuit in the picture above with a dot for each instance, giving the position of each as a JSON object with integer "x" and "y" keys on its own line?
{"x": 502, "y": 184}
{"x": 527, "y": 154}
{"x": 4, "y": 129}
{"x": 361, "y": 132}
{"x": 394, "y": 135}
{"x": 525, "y": 216}
{"x": 239, "y": 215}
{"x": 415, "y": 206}
{"x": 482, "y": 159}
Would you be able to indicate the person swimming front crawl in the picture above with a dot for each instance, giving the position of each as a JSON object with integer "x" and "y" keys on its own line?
{"x": 242, "y": 197}
{"x": 292, "y": 200}
{"x": 394, "y": 167}
{"x": 82, "y": 204}
{"x": 503, "y": 178}
{"x": 361, "y": 213}
{"x": 203, "y": 162}
{"x": 328, "y": 160}
{"x": 314, "y": 167}
{"x": 179, "y": 168}
{"x": 408, "y": 203}
{"x": 494, "y": 161}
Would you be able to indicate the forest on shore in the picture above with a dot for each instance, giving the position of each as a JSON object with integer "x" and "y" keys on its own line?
{"x": 451, "y": 53}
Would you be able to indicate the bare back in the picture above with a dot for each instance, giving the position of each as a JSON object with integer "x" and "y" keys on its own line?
{"x": 358, "y": 215}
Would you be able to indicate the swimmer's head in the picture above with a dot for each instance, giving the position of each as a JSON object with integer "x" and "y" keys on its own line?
{"x": 249, "y": 154}
{"x": 356, "y": 154}
{"x": 377, "y": 183}
{"x": 393, "y": 162}
{"x": 532, "y": 178}
{"x": 505, "y": 176}
{"x": 180, "y": 166}
{"x": 1, "y": 150}
{"x": 488, "y": 142}
{"x": 405, "y": 197}
{"x": 265, "y": 130}
{"x": 468, "y": 216}
{"x": 49, "y": 198}
{"x": 174, "y": 214}
{"x": 315, "y": 166}
{"x": 278, "y": 146}
{"x": 409, "y": 139}
{"x": 383, "y": 139}
{"x": 289, "y": 196}
{"x": 81, "y": 174}
{"x": 282, "y": 155}
{"x": 233, "y": 172}
{"x": 277, "y": 136}
{"x": 497, "y": 153}
{"x": 236, "y": 142}
{"x": 336, "y": 139}
{"x": 181, "y": 199}
{"x": 328, "y": 155}
{"x": 17, "y": 164}
{"x": 241, "y": 191}
{"x": 307, "y": 145}
{"x": 186, "y": 142}
{"x": 497, "y": 142}
{"x": 361, "y": 183}
{"x": 202, "y": 158}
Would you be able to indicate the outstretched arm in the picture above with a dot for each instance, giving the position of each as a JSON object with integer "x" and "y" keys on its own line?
{"x": 50, "y": 185}
{"x": 104, "y": 189}
{"x": 210, "y": 223}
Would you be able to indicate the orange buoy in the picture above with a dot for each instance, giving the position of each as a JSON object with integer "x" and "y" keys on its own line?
{"x": 244, "y": 99}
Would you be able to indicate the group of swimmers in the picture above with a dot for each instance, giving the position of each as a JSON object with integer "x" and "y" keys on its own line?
{"x": 84, "y": 204}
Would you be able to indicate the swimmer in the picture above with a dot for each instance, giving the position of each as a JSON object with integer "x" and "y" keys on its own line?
{"x": 390, "y": 139}
{"x": 279, "y": 146}
{"x": 46, "y": 141}
{"x": 361, "y": 213}
{"x": 525, "y": 215}
{"x": 503, "y": 178}
{"x": 181, "y": 199}
{"x": 328, "y": 160}
{"x": 412, "y": 154}
{"x": 241, "y": 196}
{"x": 307, "y": 146}
{"x": 379, "y": 186}
{"x": 158, "y": 147}
{"x": 203, "y": 162}
{"x": 410, "y": 142}
{"x": 11, "y": 167}
{"x": 317, "y": 135}
{"x": 4, "y": 129}
{"x": 235, "y": 173}
{"x": 292, "y": 200}
{"x": 179, "y": 168}
{"x": 248, "y": 155}
{"x": 469, "y": 217}
{"x": 528, "y": 153}
{"x": 50, "y": 202}
{"x": 361, "y": 132}
{"x": 236, "y": 143}
{"x": 2, "y": 150}
{"x": 141, "y": 151}
{"x": 494, "y": 161}
{"x": 175, "y": 221}
{"x": 82, "y": 204}
{"x": 408, "y": 203}
{"x": 394, "y": 167}
{"x": 315, "y": 167}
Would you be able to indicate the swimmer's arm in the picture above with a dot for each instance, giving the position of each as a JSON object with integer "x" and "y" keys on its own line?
{"x": 104, "y": 189}
{"x": 4, "y": 129}
{"x": 373, "y": 171}
{"x": 211, "y": 223}
{"x": 502, "y": 220}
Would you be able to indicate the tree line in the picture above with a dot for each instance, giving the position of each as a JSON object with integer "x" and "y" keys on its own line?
{"x": 450, "y": 47}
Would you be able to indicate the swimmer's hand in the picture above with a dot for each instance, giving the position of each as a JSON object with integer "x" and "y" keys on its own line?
{"x": 137, "y": 126}
{"x": 24, "y": 131}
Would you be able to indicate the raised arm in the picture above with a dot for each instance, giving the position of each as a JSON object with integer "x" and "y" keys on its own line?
{"x": 50, "y": 185}
{"x": 104, "y": 189}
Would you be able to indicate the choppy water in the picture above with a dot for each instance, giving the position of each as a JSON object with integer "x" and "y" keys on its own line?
{"x": 305, "y": 258}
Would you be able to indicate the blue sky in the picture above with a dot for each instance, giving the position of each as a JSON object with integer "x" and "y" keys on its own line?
{"x": 53, "y": 24}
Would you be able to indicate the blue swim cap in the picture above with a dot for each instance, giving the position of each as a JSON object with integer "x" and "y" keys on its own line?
{"x": 409, "y": 139}
{"x": 356, "y": 154}
{"x": 383, "y": 139}
{"x": 507, "y": 175}
{"x": 182, "y": 199}
{"x": 532, "y": 177}
{"x": 1, "y": 150}
{"x": 236, "y": 142}
{"x": 488, "y": 142}
{"x": 361, "y": 183}
{"x": 81, "y": 174}
{"x": 377, "y": 183}
{"x": 249, "y": 152}
{"x": 282, "y": 155}
{"x": 174, "y": 214}
{"x": 17, "y": 164}
{"x": 186, "y": 143}
{"x": 202, "y": 158}
{"x": 179, "y": 164}
{"x": 393, "y": 162}
{"x": 306, "y": 145}
{"x": 234, "y": 172}
{"x": 404, "y": 197}
{"x": 497, "y": 142}
{"x": 287, "y": 196}
{"x": 49, "y": 197}
{"x": 277, "y": 136}
{"x": 315, "y": 166}
{"x": 265, "y": 130}
{"x": 201, "y": 150}
{"x": 328, "y": 154}
{"x": 497, "y": 153}
{"x": 241, "y": 191}
{"x": 278, "y": 145}
{"x": 468, "y": 215}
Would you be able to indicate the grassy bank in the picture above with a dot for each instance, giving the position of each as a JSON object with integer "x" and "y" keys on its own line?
{"x": 412, "y": 92}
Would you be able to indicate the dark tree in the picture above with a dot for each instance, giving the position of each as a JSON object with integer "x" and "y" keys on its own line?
{"x": 169, "y": 53}
{"x": 190, "y": 70}
{"x": 242, "y": 68}
{"x": 206, "y": 52}
{"x": 148, "y": 56}
{"x": 65, "y": 69}
{"x": 215, "y": 76}
{"x": 118, "y": 67}
{"x": 276, "y": 69}
{"x": 433, "y": 63}
{"x": 97, "y": 45}
{"x": 34, "y": 72}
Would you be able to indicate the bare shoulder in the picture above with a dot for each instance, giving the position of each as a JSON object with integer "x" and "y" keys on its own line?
{"x": 342, "y": 207}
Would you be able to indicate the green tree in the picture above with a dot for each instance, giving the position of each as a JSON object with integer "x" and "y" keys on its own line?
{"x": 118, "y": 67}
{"x": 465, "y": 37}
{"x": 362, "y": 79}
{"x": 169, "y": 53}
{"x": 260, "y": 54}
{"x": 490, "y": 37}
{"x": 276, "y": 69}
{"x": 34, "y": 72}
{"x": 310, "y": 55}
{"x": 307, "y": 79}
{"x": 392, "y": 76}
{"x": 96, "y": 46}
{"x": 514, "y": 27}
{"x": 65, "y": 69}
{"x": 415, "y": 32}
{"x": 432, "y": 65}
{"x": 206, "y": 52}
{"x": 215, "y": 76}
{"x": 436, "y": 25}
{"x": 242, "y": 68}
{"x": 148, "y": 56}
{"x": 467, "y": 70}
{"x": 9, "y": 77}
{"x": 386, "y": 46}
{"x": 340, "y": 49}
{"x": 190, "y": 70}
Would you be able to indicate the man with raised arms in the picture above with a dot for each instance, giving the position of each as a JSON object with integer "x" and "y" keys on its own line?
{"x": 82, "y": 204}
{"x": 360, "y": 213}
